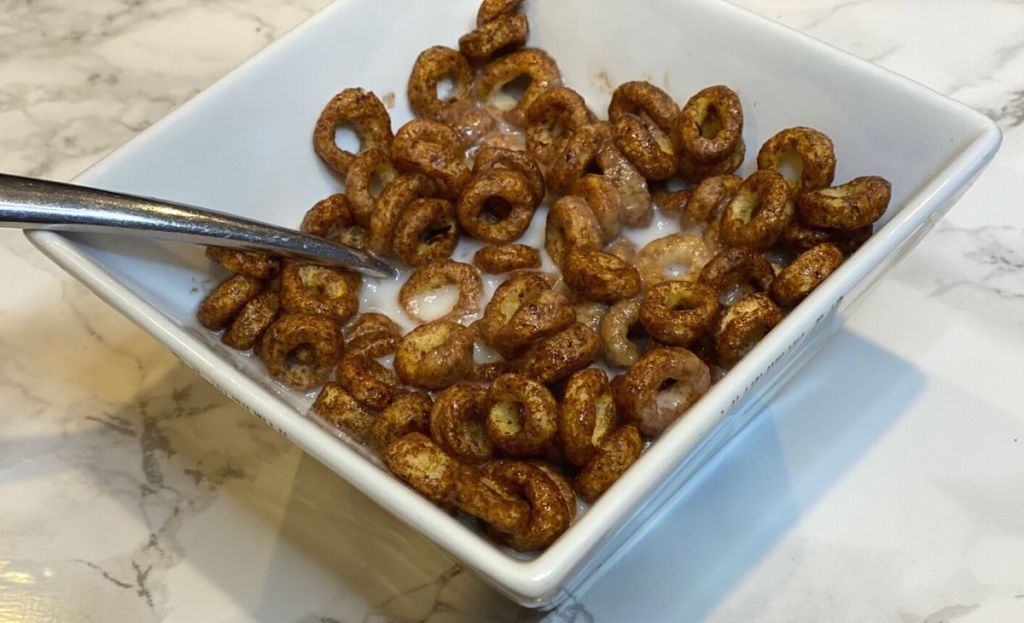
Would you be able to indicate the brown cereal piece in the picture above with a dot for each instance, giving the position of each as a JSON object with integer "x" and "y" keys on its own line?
{"x": 815, "y": 157}
{"x": 850, "y": 206}
{"x": 430, "y": 147}
{"x": 371, "y": 172}
{"x": 523, "y": 310}
{"x": 709, "y": 128}
{"x": 602, "y": 197}
{"x": 660, "y": 388}
{"x": 472, "y": 123}
{"x": 624, "y": 249}
{"x": 315, "y": 335}
{"x": 479, "y": 495}
{"x": 495, "y": 37}
{"x": 571, "y": 224}
{"x": 671, "y": 203}
{"x": 426, "y": 231}
{"x": 578, "y": 156}
{"x": 435, "y": 355}
{"x": 556, "y": 357}
{"x": 409, "y": 413}
{"x": 600, "y": 276}
{"x": 222, "y": 305}
{"x": 252, "y": 320}
{"x": 337, "y": 407}
{"x": 551, "y": 119}
{"x": 433, "y": 65}
{"x": 456, "y": 422}
{"x": 758, "y": 212}
{"x": 328, "y": 216}
{"x": 642, "y": 98}
{"x": 371, "y": 324}
{"x": 549, "y": 514}
{"x": 497, "y": 206}
{"x": 249, "y": 263}
{"x": 369, "y": 381}
{"x": 310, "y": 289}
{"x": 696, "y": 171}
{"x": 365, "y": 114}
{"x": 533, "y": 64}
{"x": 590, "y": 313}
{"x": 505, "y": 258}
{"x": 392, "y": 203}
{"x": 647, "y": 146}
{"x": 487, "y": 372}
{"x": 424, "y": 466}
{"x": 743, "y": 325}
{"x": 587, "y": 415}
{"x": 623, "y": 337}
{"x": 710, "y": 197}
{"x": 634, "y": 197}
{"x": 800, "y": 237}
{"x": 806, "y": 273}
{"x": 678, "y": 256}
{"x": 737, "y": 267}
{"x": 493, "y": 9}
{"x": 616, "y": 453}
{"x": 678, "y": 312}
{"x": 499, "y": 158}
{"x": 437, "y": 275}
{"x": 522, "y": 416}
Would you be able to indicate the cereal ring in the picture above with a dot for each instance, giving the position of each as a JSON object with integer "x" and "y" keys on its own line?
{"x": 472, "y": 123}
{"x": 679, "y": 256}
{"x": 563, "y": 484}
{"x": 479, "y": 495}
{"x": 429, "y": 147}
{"x": 395, "y": 199}
{"x": 549, "y": 514}
{"x": 671, "y": 203}
{"x": 619, "y": 450}
{"x": 314, "y": 334}
{"x": 491, "y": 86}
{"x": 710, "y": 197}
{"x": 252, "y": 320}
{"x": 487, "y": 372}
{"x": 495, "y": 37}
{"x": 368, "y": 380}
{"x": 371, "y": 172}
{"x": 709, "y": 128}
{"x": 426, "y": 232}
{"x": 602, "y": 197}
{"x": 590, "y": 314}
{"x": 495, "y": 157}
{"x": 587, "y": 415}
{"x": 600, "y": 276}
{"x": 364, "y": 113}
{"x": 660, "y": 388}
{"x": 424, "y": 466}
{"x": 853, "y": 205}
{"x": 310, "y": 289}
{"x": 623, "y": 337}
{"x": 556, "y": 357}
{"x": 435, "y": 355}
{"x": 552, "y": 117}
{"x": 695, "y": 171}
{"x": 371, "y": 324}
{"x": 758, "y": 212}
{"x": 523, "y": 310}
{"x": 521, "y": 416}
{"x": 409, "y": 413}
{"x": 431, "y": 67}
{"x": 497, "y": 206}
{"x": 504, "y": 258}
{"x": 456, "y": 422}
{"x": 806, "y": 273}
{"x": 642, "y": 98}
{"x": 646, "y": 145}
{"x": 579, "y": 156}
{"x": 743, "y": 325}
{"x": 249, "y": 263}
{"x": 815, "y": 158}
{"x": 435, "y": 276}
{"x": 571, "y": 224}
{"x": 801, "y": 237}
{"x": 737, "y": 267}
{"x": 493, "y": 9}
{"x": 678, "y": 312}
{"x": 328, "y": 216}
{"x": 337, "y": 407}
{"x": 624, "y": 249}
{"x": 634, "y": 198}
{"x": 222, "y": 305}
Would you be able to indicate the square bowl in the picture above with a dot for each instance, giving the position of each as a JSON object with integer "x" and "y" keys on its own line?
{"x": 243, "y": 146}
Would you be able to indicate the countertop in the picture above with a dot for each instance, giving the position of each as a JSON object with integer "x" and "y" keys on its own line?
{"x": 886, "y": 486}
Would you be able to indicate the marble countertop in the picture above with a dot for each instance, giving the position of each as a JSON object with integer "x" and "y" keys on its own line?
{"x": 132, "y": 490}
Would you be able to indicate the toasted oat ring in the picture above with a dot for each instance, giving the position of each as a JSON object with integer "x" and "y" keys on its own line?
{"x": 431, "y": 66}
{"x": 472, "y": 123}
{"x": 249, "y": 263}
{"x": 522, "y": 416}
{"x": 551, "y": 119}
{"x": 499, "y": 158}
{"x": 497, "y": 206}
{"x": 409, "y": 413}
{"x": 816, "y": 159}
{"x": 850, "y": 206}
{"x": 587, "y": 415}
{"x": 222, "y": 305}
{"x": 695, "y": 171}
{"x": 371, "y": 172}
{"x": 479, "y": 495}
{"x": 671, "y": 203}
{"x": 426, "y": 232}
{"x": 806, "y": 273}
{"x": 505, "y": 258}
{"x": 645, "y": 397}
{"x": 493, "y": 9}
{"x": 758, "y": 212}
{"x": 624, "y": 249}
{"x": 709, "y": 128}
{"x": 437, "y": 275}
{"x": 328, "y": 216}
{"x": 743, "y": 325}
{"x": 578, "y": 156}
{"x": 435, "y": 355}
{"x": 430, "y": 147}
{"x": 336, "y": 406}
{"x": 710, "y": 197}
{"x": 371, "y": 325}
{"x": 801, "y": 237}
{"x": 615, "y": 330}
{"x": 424, "y": 466}
{"x": 643, "y": 98}
{"x": 535, "y": 64}
{"x": 252, "y": 320}
{"x": 662, "y": 259}
{"x": 600, "y": 276}
{"x": 456, "y": 422}
{"x": 679, "y": 312}
{"x": 495, "y": 37}
{"x": 310, "y": 289}
{"x": 361, "y": 110}
{"x": 646, "y": 145}
{"x": 634, "y": 197}
{"x": 602, "y": 197}
{"x": 571, "y": 224}
{"x": 369, "y": 381}
{"x": 556, "y": 357}
{"x": 392, "y": 203}
{"x": 737, "y": 267}
{"x": 590, "y": 314}
{"x": 522, "y": 310}
{"x": 616, "y": 453}
{"x": 549, "y": 514}
{"x": 314, "y": 334}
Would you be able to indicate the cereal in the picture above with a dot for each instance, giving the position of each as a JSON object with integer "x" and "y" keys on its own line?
{"x": 369, "y": 381}
{"x": 587, "y": 416}
{"x": 522, "y": 311}
{"x": 806, "y": 273}
{"x": 617, "y": 330}
{"x": 435, "y": 355}
{"x": 549, "y": 514}
{"x": 252, "y": 320}
{"x": 709, "y": 131}
{"x": 437, "y": 275}
{"x": 505, "y": 258}
{"x": 743, "y": 325}
{"x": 338, "y": 407}
{"x": 533, "y": 64}
{"x": 571, "y": 224}
{"x": 522, "y": 416}
{"x": 642, "y": 115}
{"x": 497, "y": 206}
{"x": 602, "y": 197}
{"x": 248, "y": 263}
{"x": 428, "y": 147}
{"x": 495, "y": 37}
{"x": 456, "y": 423}
{"x": 496, "y": 157}
{"x": 710, "y": 196}
{"x": 431, "y": 66}
{"x": 737, "y": 267}
{"x": 679, "y": 256}
{"x": 365, "y": 114}
{"x": 551, "y": 119}
{"x": 389, "y": 208}
{"x": 758, "y": 212}
{"x": 815, "y": 158}
{"x": 426, "y": 232}
{"x": 600, "y": 276}
{"x": 223, "y": 304}
{"x": 314, "y": 334}
{"x": 370, "y": 173}
{"x": 853, "y": 205}
{"x": 616, "y": 452}
{"x": 409, "y": 413}
{"x": 556, "y": 357}
{"x": 678, "y": 312}
{"x": 659, "y": 389}
{"x": 310, "y": 289}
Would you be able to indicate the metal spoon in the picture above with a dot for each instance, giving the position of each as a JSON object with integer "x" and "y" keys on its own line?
{"x": 39, "y": 204}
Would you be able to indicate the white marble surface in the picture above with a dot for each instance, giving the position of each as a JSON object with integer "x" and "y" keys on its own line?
{"x": 891, "y": 489}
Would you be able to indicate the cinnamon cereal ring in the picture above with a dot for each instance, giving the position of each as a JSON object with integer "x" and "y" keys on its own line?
{"x": 634, "y": 197}
{"x": 678, "y": 312}
{"x": 800, "y": 237}
{"x": 709, "y": 128}
{"x": 409, "y": 413}
{"x": 624, "y": 249}
{"x": 743, "y": 325}
{"x": 616, "y": 453}
{"x": 472, "y": 123}
{"x": 496, "y": 157}
{"x": 659, "y": 389}
{"x": 497, "y": 206}
{"x": 850, "y": 206}
{"x": 369, "y": 381}
{"x": 337, "y": 407}
{"x": 495, "y": 37}
{"x": 590, "y": 314}
{"x": 310, "y": 289}
{"x": 436, "y": 276}
{"x": 493, "y": 9}
{"x": 364, "y": 113}
{"x": 679, "y": 256}
{"x": 371, "y": 334}
{"x": 758, "y": 212}
{"x": 328, "y": 216}
{"x": 695, "y": 171}
{"x": 426, "y": 232}
{"x": 737, "y": 267}
{"x": 371, "y": 172}
{"x": 505, "y": 258}
{"x": 222, "y": 305}
{"x": 432, "y": 66}
{"x": 252, "y": 320}
{"x": 587, "y": 415}
{"x": 623, "y": 337}
{"x": 479, "y": 495}
{"x": 313, "y": 334}
{"x": 523, "y": 310}
{"x": 579, "y": 155}
{"x": 424, "y": 466}
{"x": 536, "y": 65}
{"x": 521, "y": 416}
{"x": 389, "y": 208}
{"x": 429, "y": 147}
{"x": 556, "y": 357}
{"x": 646, "y": 145}
{"x": 815, "y": 157}
{"x": 456, "y": 422}
{"x": 602, "y": 197}
{"x": 549, "y": 514}
{"x": 806, "y": 273}
{"x": 710, "y": 197}
{"x": 551, "y": 119}
{"x": 249, "y": 263}
{"x": 671, "y": 203}
{"x": 600, "y": 276}
{"x": 571, "y": 224}
{"x": 642, "y": 98}
{"x": 435, "y": 355}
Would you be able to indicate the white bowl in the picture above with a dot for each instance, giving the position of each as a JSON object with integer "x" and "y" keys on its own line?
{"x": 244, "y": 146}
